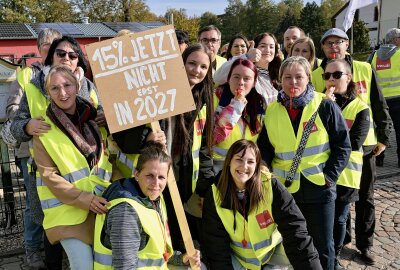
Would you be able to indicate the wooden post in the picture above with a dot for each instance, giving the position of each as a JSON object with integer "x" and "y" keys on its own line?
{"x": 178, "y": 207}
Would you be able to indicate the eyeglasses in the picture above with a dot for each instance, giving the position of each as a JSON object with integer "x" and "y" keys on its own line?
{"x": 336, "y": 75}
{"x": 335, "y": 43}
{"x": 205, "y": 41}
{"x": 61, "y": 53}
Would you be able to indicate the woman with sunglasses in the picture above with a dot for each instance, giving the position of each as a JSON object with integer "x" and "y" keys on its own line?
{"x": 311, "y": 178}
{"x": 74, "y": 168}
{"x": 341, "y": 88}
{"x": 29, "y": 121}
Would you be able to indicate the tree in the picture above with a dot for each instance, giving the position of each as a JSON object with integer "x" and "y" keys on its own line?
{"x": 31, "y": 11}
{"x": 209, "y": 18}
{"x": 309, "y": 15}
{"x": 328, "y": 9}
{"x": 233, "y": 21}
{"x": 115, "y": 11}
{"x": 258, "y": 14}
{"x": 361, "y": 41}
{"x": 181, "y": 21}
{"x": 288, "y": 19}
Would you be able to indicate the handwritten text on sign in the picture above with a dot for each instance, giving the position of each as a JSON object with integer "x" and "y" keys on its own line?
{"x": 140, "y": 77}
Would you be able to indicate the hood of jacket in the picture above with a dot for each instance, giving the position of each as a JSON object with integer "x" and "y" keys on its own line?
{"x": 386, "y": 51}
{"x": 128, "y": 188}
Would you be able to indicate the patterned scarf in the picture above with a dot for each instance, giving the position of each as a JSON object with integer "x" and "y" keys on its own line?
{"x": 79, "y": 127}
{"x": 297, "y": 102}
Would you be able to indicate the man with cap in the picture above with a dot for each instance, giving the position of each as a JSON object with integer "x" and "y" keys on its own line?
{"x": 386, "y": 63}
{"x": 334, "y": 44}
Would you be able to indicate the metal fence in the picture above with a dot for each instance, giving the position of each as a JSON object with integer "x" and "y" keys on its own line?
{"x": 12, "y": 202}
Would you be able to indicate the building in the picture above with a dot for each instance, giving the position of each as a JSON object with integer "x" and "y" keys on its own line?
{"x": 18, "y": 40}
{"x": 390, "y": 17}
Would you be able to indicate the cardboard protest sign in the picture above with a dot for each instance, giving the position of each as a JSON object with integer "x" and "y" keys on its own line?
{"x": 140, "y": 77}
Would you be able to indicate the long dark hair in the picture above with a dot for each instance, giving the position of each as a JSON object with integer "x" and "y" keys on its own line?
{"x": 226, "y": 185}
{"x": 237, "y": 36}
{"x": 255, "y": 102}
{"x": 202, "y": 95}
{"x": 273, "y": 67}
{"x": 75, "y": 46}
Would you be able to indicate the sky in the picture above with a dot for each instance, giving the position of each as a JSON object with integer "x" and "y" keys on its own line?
{"x": 193, "y": 7}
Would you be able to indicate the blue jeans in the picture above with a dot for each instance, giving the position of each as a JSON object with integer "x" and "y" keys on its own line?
{"x": 80, "y": 254}
{"x": 341, "y": 214}
{"x": 33, "y": 233}
{"x": 320, "y": 218}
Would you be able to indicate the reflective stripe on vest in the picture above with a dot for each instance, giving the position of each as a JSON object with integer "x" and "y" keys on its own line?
{"x": 73, "y": 167}
{"x": 362, "y": 76}
{"x": 388, "y": 74}
{"x": 220, "y": 150}
{"x": 285, "y": 143}
{"x": 198, "y": 129}
{"x": 351, "y": 175}
{"x": 151, "y": 256}
{"x": 261, "y": 233}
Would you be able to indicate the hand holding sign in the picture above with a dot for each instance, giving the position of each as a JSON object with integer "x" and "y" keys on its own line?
{"x": 138, "y": 77}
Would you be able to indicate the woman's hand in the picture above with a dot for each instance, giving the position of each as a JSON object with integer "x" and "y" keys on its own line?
{"x": 97, "y": 205}
{"x": 329, "y": 93}
{"x": 379, "y": 148}
{"x": 193, "y": 260}
{"x": 157, "y": 137}
{"x": 37, "y": 126}
{"x": 240, "y": 96}
{"x": 100, "y": 119}
{"x": 254, "y": 54}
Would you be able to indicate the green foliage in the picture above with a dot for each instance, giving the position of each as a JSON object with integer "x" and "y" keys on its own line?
{"x": 310, "y": 18}
{"x": 209, "y": 18}
{"x": 181, "y": 21}
{"x": 30, "y": 11}
{"x": 361, "y": 41}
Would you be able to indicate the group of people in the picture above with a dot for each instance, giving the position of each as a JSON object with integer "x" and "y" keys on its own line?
{"x": 267, "y": 165}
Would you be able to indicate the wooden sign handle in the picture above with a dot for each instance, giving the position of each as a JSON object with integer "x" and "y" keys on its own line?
{"x": 178, "y": 207}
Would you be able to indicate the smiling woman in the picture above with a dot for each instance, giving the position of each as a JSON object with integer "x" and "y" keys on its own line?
{"x": 249, "y": 214}
{"x": 74, "y": 168}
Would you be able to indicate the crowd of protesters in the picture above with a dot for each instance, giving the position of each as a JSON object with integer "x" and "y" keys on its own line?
{"x": 279, "y": 146}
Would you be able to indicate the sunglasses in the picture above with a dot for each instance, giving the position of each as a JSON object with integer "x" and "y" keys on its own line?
{"x": 61, "y": 53}
{"x": 336, "y": 75}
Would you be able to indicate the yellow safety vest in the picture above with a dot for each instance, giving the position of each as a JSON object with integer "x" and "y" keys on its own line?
{"x": 351, "y": 175}
{"x": 151, "y": 256}
{"x": 198, "y": 130}
{"x": 238, "y": 132}
{"x": 219, "y": 61}
{"x": 74, "y": 168}
{"x": 38, "y": 104}
{"x": 388, "y": 74}
{"x": 362, "y": 76}
{"x": 261, "y": 233}
{"x": 285, "y": 143}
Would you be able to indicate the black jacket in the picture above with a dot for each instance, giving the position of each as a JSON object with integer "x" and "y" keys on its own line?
{"x": 291, "y": 224}
{"x": 339, "y": 142}
{"x": 379, "y": 108}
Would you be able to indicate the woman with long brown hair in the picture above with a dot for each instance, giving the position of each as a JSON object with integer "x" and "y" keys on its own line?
{"x": 249, "y": 215}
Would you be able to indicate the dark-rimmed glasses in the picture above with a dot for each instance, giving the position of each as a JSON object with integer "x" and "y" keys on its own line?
{"x": 61, "y": 53}
{"x": 336, "y": 75}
